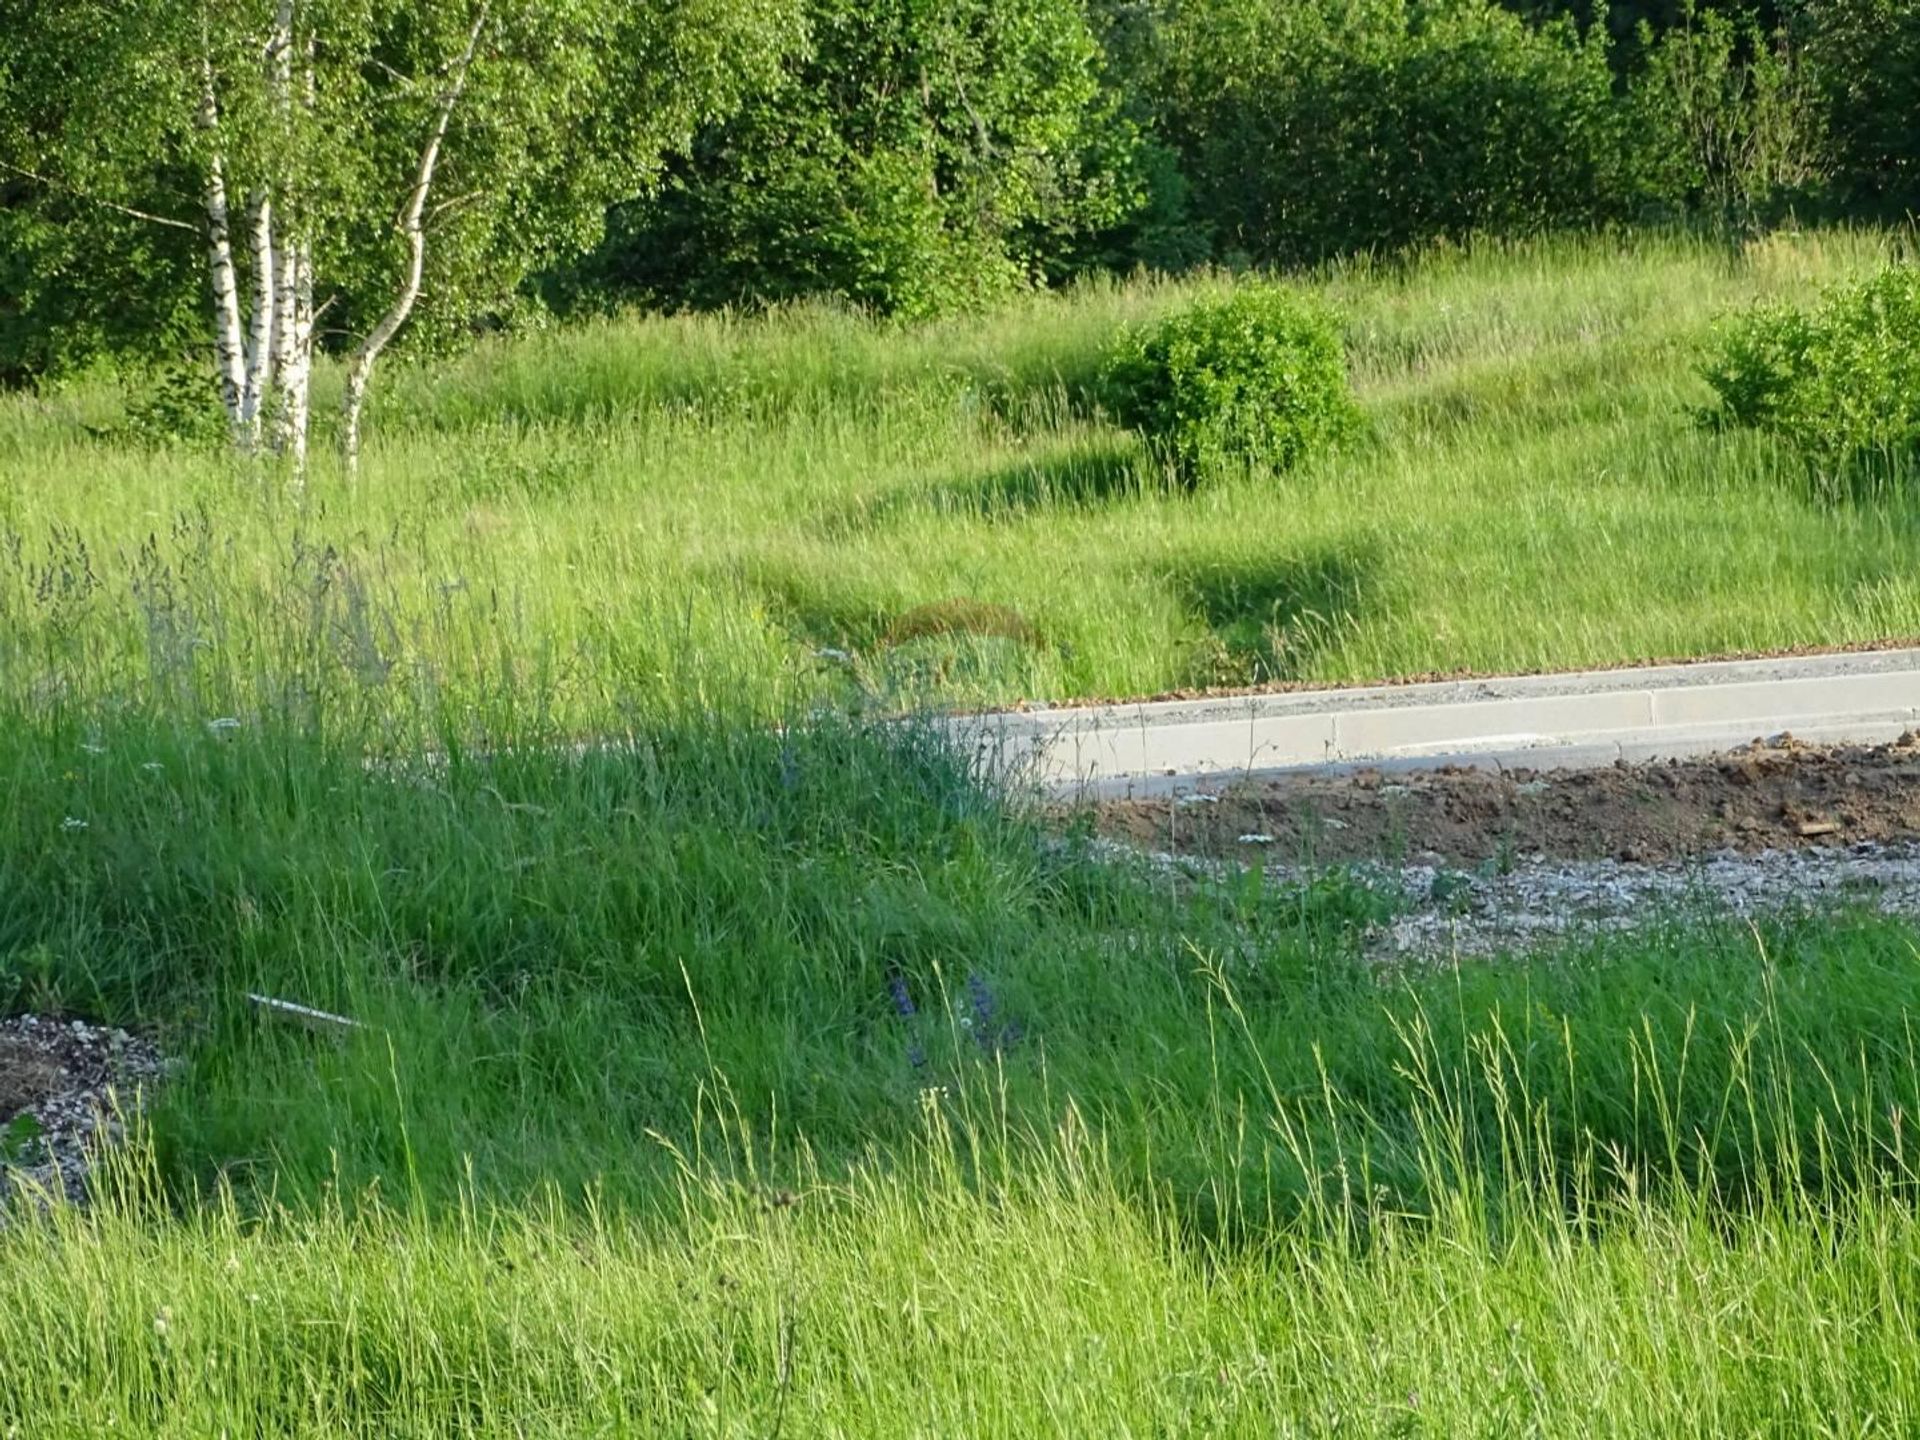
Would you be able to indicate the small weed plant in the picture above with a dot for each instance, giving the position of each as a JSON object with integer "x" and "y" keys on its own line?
{"x": 1840, "y": 383}
{"x": 1257, "y": 377}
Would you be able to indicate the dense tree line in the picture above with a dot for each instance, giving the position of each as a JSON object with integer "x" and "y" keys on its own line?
{"x": 1623, "y": 19}
{"x": 1269, "y": 131}
{"x": 245, "y": 181}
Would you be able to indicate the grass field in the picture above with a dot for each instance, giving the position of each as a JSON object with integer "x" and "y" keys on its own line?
{"x": 717, "y": 500}
{"x": 751, "y": 1084}
{"x": 739, "y": 1079}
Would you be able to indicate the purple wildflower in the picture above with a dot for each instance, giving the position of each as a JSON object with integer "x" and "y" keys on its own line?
{"x": 902, "y": 1001}
{"x": 980, "y": 1001}
{"x": 904, "y": 1007}
{"x": 985, "y": 1008}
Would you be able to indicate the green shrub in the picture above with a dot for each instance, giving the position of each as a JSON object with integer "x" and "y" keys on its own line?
{"x": 1840, "y": 383}
{"x": 1333, "y": 126}
{"x": 914, "y": 159}
{"x": 1865, "y": 57}
{"x": 1257, "y": 377}
{"x": 1723, "y": 119}
{"x": 177, "y": 406}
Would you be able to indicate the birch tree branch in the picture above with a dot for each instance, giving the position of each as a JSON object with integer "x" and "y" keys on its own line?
{"x": 409, "y": 223}
{"x": 102, "y": 202}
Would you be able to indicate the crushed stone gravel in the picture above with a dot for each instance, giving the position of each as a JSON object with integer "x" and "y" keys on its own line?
{"x": 1438, "y": 912}
{"x": 67, "y": 1088}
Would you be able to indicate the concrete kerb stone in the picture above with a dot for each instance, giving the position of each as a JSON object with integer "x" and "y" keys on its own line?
{"x": 1542, "y": 721}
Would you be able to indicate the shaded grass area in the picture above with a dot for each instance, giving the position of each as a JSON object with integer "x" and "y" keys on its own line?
{"x": 559, "y": 956}
{"x": 733, "y": 1073}
{"x": 1534, "y": 492}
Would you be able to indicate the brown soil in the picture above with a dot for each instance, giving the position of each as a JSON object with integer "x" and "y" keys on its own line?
{"x": 1771, "y": 795}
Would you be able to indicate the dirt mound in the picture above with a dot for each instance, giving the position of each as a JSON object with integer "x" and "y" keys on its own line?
{"x": 1771, "y": 795}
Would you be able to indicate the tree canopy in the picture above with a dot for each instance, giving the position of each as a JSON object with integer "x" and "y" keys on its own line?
{"x": 489, "y": 134}
{"x": 243, "y": 183}
{"x": 914, "y": 156}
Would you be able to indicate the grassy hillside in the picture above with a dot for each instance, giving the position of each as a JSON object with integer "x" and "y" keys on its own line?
{"x": 746, "y": 1083}
{"x": 717, "y": 500}
{"x": 740, "y": 1079}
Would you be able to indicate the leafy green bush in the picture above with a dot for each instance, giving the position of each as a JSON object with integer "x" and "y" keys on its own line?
{"x": 1723, "y": 118}
{"x": 1317, "y": 128}
{"x": 914, "y": 159}
{"x": 1865, "y": 57}
{"x": 177, "y": 406}
{"x": 1258, "y": 376}
{"x": 1840, "y": 383}
{"x": 1333, "y": 126}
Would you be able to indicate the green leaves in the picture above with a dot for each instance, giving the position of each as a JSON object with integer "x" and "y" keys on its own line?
{"x": 913, "y": 158}
{"x": 17, "y": 1137}
{"x": 1839, "y": 383}
{"x": 1257, "y": 377}
{"x": 1318, "y": 129}
{"x": 1866, "y": 57}
{"x": 569, "y": 106}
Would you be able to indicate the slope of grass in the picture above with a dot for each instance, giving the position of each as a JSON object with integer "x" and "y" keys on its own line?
{"x": 561, "y": 958}
{"x": 613, "y": 500}
{"x": 728, "y": 1077}
{"x": 734, "y": 1080}
{"x": 913, "y": 1301}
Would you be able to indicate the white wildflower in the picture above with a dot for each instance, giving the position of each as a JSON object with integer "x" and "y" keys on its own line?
{"x": 73, "y": 822}
{"x": 224, "y": 722}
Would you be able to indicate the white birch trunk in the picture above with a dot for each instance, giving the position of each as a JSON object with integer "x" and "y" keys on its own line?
{"x": 258, "y": 370}
{"x": 413, "y": 229}
{"x": 229, "y": 346}
{"x": 292, "y": 331}
{"x": 293, "y": 358}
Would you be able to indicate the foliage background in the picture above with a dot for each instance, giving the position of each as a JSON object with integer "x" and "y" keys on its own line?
{"x": 918, "y": 159}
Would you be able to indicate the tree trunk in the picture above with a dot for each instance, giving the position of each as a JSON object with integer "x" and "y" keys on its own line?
{"x": 412, "y": 228}
{"x": 229, "y": 346}
{"x": 293, "y": 352}
{"x": 258, "y": 370}
{"x": 292, "y": 361}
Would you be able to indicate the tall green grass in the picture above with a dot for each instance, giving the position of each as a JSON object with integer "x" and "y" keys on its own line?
{"x": 984, "y": 1278}
{"x": 560, "y": 956}
{"x": 731, "y": 1073}
{"x": 754, "y": 1069}
{"x": 731, "y": 496}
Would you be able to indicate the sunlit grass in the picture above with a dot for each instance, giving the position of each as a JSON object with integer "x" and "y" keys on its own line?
{"x": 977, "y": 1276}
{"x": 725, "y": 1077}
{"x": 1535, "y": 492}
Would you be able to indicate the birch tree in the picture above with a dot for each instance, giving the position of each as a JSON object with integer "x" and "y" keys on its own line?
{"x": 356, "y": 171}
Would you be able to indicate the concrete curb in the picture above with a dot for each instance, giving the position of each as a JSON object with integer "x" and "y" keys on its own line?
{"x": 1542, "y": 721}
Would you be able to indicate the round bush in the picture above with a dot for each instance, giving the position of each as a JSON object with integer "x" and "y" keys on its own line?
{"x": 1840, "y": 383}
{"x": 1256, "y": 377}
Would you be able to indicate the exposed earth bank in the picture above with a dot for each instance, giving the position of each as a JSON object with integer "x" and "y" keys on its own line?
{"x": 1774, "y": 794}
